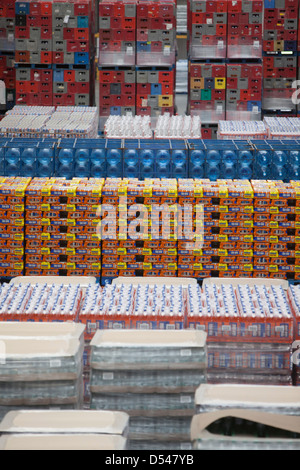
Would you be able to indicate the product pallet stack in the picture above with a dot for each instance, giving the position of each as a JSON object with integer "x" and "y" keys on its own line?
{"x": 280, "y": 55}
{"x": 55, "y": 53}
{"x": 244, "y": 91}
{"x": 249, "y": 330}
{"x": 246, "y": 417}
{"x": 117, "y": 59}
{"x": 225, "y": 60}
{"x": 222, "y": 228}
{"x": 135, "y": 240}
{"x": 12, "y": 209}
{"x": 293, "y": 299}
{"x": 152, "y": 376}
{"x": 137, "y": 57}
{"x": 61, "y": 227}
{"x": 156, "y": 57}
{"x": 207, "y": 51}
{"x": 244, "y": 53}
{"x": 207, "y": 91}
{"x": 7, "y": 51}
{"x": 43, "y": 367}
{"x": 117, "y": 92}
{"x": 274, "y": 230}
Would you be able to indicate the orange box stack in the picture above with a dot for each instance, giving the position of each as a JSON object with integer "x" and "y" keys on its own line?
{"x": 61, "y": 227}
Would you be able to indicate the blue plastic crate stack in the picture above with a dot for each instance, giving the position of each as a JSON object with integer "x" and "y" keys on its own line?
{"x": 148, "y": 158}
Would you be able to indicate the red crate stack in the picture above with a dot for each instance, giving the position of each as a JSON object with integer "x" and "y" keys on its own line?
{"x": 280, "y": 72}
{"x": 117, "y": 92}
{"x": 7, "y": 48}
{"x": 245, "y": 29}
{"x": 54, "y": 47}
{"x": 7, "y": 26}
{"x": 8, "y": 76}
{"x": 244, "y": 91}
{"x": 117, "y": 32}
{"x": 207, "y": 27}
{"x": 156, "y": 33}
{"x": 280, "y": 25}
{"x": 207, "y": 91}
{"x": 34, "y": 86}
{"x": 155, "y": 91}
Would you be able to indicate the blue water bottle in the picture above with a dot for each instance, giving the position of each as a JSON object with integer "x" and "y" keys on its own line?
{"x": 12, "y": 162}
{"x": 98, "y": 163}
{"x": 28, "y": 162}
{"x": 147, "y": 164}
{"x": 82, "y": 163}
{"x": 65, "y": 163}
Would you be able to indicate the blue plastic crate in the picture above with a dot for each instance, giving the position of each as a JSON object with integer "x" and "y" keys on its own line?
{"x": 179, "y": 159}
{"x": 131, "y": 158}
{"x": 114, "y": 158}
{"x": 64, "y": 160}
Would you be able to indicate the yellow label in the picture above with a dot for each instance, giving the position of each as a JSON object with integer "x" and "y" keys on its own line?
{"x": 71, "y": 191}
{"x": 18, "y": 266}
{"x": 147, "y": 266}
{"x": 18, "y": 236}
{"x": 222, "y": 252}
{"x": 198, "y": 192}
{"x": 97, "y": 192}
{"x": 45, "y": 236}
{"x": 45, "y": 265}
{"x": 248, "y": 223}
{"x": 71, "y": 266}
{"x": 121, "y": 251}
{"x": 46, "y": 191}
{"x": 248, "y": 253}
{"x": 222, "y": 267}
{"x": 274, "y": 194}
{"x": 71, "y": 236}
{"x": 96, "y": 252}
{"x": 45, "y": 222}
{"x": 96, "y": 266}
{"x": 19, "y": 222}
{"x": 71, "y": 222}
{"x": 45, "y": 251}
{"x": 223, "y": 223}
{"x": 248, "y": 267}
{"x": 198, "y": 266}
{"x": 273, "y": 269}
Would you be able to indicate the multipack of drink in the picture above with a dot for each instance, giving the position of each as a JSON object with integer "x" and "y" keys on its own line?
{"x": 241, "y": 130}
{"x": 40, "y": 302}
{"x": 128, "y": 127}
{"x": 178, "y": 127}
{"x": 125, "y": 306}
{"x": 241, "y": 313}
